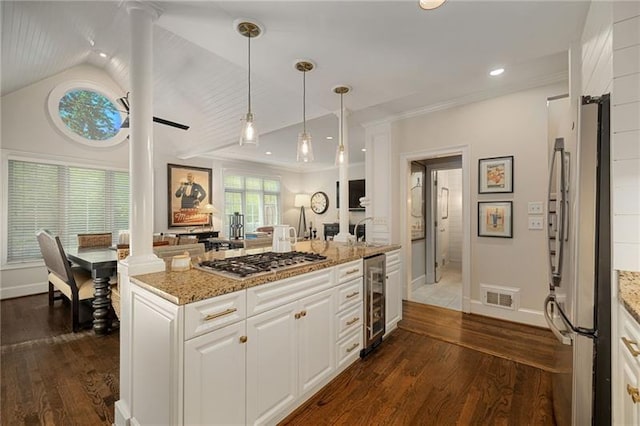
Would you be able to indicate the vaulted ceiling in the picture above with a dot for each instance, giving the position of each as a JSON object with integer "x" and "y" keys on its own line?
{"x": 396, "y": 57}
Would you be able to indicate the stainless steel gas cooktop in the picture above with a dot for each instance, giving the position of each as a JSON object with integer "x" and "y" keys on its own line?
{"x": 258, "y": 264}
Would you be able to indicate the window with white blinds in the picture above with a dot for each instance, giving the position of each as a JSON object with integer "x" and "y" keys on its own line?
{"x": 66, "y": 200}
{"x": 255, "y": 197}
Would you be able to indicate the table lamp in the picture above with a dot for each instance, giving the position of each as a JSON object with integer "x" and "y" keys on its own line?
{"x": 210, "y": 210}
{"x": 302, "y": 201}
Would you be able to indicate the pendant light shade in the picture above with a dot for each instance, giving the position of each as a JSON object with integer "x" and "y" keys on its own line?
{"x": 340, "y": 151}
{"x": 305, "y": 150}
{"x": 249, "y": 134}
{"x": 431, "y": 4}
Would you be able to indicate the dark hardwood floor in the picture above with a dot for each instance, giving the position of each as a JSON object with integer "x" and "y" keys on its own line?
{"x": 54, "y": 377}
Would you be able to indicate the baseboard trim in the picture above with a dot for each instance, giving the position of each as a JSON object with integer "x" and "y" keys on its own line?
{"x": 523, "y": 316}
{"x": 422, "y": 279}
{"x": 24, "y": 290}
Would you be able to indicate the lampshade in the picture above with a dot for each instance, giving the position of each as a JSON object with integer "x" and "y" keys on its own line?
{"x": 304, "y": 149}
{"x": 302, "y": 200}
{"x": 209, "y": 209}
{"x": 248, "y": 133}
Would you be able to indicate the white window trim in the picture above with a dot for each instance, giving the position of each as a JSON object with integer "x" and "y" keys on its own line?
{"x": 53, "y": 102}
{"x": 5, "y": 156}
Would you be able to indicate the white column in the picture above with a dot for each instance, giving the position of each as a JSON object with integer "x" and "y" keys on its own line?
{"x": 142, "y": 260}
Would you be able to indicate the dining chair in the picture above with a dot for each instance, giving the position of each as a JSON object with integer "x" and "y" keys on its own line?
{"x": 102, "y": 239}
{"x": 73, "y": 283}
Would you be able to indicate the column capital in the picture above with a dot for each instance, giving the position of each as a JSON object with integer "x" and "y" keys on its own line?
{"x": 153, "y": 9}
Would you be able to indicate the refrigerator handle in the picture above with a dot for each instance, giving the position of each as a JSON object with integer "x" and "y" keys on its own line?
{"x": 563, "y": 336}
{"x": 556, "y": 272}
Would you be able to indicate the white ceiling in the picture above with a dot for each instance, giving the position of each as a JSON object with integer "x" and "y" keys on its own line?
{"x": 396, "y": 57}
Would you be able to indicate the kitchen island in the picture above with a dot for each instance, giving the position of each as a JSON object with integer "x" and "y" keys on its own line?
{"x": 209, "y": 349}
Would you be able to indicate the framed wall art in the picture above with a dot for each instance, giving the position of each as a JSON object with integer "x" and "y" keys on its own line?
{"x": 444, "y": 203}
{"x": 495, "y": 219}
{"x": 189, "y": 191}
{"x": 495, "y": 175}
{"x": 416, "y": 193}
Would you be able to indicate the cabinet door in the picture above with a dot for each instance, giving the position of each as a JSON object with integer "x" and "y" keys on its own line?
{"x": 630, "y": 385}
{"x": 214, "y": 377}
{"x": 393, "y": 307}
{"x": 316, "y": 339}
{"x": 272, "y": 362}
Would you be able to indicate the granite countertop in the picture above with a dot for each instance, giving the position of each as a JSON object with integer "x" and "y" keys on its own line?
{"x": 629, "y": 292}
{"x": 194, "y": 285}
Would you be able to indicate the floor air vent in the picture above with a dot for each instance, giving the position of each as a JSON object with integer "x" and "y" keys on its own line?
{"x": 501, "y": 297}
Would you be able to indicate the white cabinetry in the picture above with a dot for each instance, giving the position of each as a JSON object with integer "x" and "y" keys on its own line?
{"x": 627, "y": 388}
{"x": 393, "y": 306}
{"x": 349, "y": 316}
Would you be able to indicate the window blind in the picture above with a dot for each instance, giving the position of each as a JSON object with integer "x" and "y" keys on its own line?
{"x": 66, "y": 200}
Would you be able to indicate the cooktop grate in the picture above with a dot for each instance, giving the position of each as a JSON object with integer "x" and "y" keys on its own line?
{"x": 250, "y": 265}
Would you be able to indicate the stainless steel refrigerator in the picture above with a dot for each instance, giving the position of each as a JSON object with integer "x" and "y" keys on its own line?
{"x": 578, "y": 306}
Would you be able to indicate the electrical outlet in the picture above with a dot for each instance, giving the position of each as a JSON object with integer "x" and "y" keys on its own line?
{"x": 535, "y": 207}
{"x": 536, "y": 222}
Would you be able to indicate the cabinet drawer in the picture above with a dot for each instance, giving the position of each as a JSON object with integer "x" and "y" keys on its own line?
{"x": 268, "y": 296}
{"x": 349, "y": 293}
{"x": 349, "y": 271}
{"x": 212, "y": 314}
{"x": 393, "y": 258}
{"x": 348, "y": 350}
{"x": 348, "y": 321}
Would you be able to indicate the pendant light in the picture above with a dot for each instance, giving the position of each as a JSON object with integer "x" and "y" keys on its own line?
{"x": 431, "y": 4}
{"x": 340, "y": 152}
{"x": 249, "y": 134}
{"x": 305, "y": 150}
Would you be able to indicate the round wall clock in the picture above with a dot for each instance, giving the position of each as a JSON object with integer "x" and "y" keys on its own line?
{"x": 319, "y": 202}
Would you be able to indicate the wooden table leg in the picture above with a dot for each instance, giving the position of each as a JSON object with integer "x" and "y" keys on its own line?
{"x": 101, "y": 304}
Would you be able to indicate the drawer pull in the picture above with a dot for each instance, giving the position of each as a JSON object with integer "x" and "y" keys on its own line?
{"x": 303, "y": 313}
{"x": 634, "y": 393}
{"x": 352, "y": 271}
{"x": 629, "y": 344}
{"x": 243, "y": 339}
{"x": 355, "y": 293}
{"x": 220, "y": 314}
{"x": 297, "y": 315}
{"x": 355, "y": 345}
{"x": 353, "y": 321}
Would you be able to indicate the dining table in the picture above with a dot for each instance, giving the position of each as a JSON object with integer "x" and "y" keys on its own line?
{"x": 102, "y": 263}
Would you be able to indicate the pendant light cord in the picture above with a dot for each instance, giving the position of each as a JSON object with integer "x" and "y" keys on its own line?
{"x": 304, "y": 96}
{"x": 249, "y": 73}
{"x": 341, "y": 123}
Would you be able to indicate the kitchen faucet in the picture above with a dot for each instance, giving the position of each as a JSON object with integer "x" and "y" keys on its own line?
{"x": 355, "y": 229}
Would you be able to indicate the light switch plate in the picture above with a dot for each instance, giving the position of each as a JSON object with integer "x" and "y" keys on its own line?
{"x": 535, "y": 207}
{"x": 536, "y": 223}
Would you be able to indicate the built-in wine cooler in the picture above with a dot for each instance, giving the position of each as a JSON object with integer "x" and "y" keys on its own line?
{"x": 374, "y": 300}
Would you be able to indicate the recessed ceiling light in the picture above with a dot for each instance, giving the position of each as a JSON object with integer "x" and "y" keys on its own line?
{"x": 268, "y": 152}
{"x": 329, "y": 137}
{"x": 364, "y": 150}
{"x": 496, "y": 72}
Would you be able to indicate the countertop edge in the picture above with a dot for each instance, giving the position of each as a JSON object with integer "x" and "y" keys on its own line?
{"x": 629, "y": 292}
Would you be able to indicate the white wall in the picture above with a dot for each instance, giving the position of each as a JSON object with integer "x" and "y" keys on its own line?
{"x": 514, "y": 124}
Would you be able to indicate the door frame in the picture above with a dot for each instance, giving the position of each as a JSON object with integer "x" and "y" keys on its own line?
{"x": 405, "y": 232}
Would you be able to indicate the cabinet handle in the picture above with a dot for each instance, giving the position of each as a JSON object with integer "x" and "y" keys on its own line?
{"x": 297, "y": 315}
{"x": 303, "y": 313}
{"x": 355, "y": 293}
{"x": 352, "y": 271}
{"x": 628, "y": 343}
{"x": 353, "y": 321}
{"x": 243, "y": 339}
{"x": 634, "y": 393}
{"x": 220, "y": 314}
{"x": 355, "y": 345}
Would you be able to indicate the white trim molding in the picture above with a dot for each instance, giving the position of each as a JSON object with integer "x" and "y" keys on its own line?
{"x": 522, "y": 315}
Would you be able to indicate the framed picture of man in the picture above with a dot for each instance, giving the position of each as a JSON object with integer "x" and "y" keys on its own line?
{"x": 189, "y": 191}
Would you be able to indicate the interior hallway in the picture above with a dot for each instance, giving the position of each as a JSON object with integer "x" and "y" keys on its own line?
{"x": 447, "y": 293}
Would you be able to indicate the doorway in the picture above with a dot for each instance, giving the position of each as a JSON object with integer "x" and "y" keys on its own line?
{"x": 437, "y": 258}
